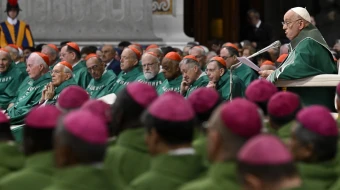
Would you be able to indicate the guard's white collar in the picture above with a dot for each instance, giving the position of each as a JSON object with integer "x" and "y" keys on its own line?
{"x": 12, "y": 21}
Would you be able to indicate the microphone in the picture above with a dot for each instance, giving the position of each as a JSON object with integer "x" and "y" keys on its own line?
{"x": 275, "y": 44}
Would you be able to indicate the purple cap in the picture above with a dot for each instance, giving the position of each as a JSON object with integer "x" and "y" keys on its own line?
{"x": 283, "y": 104}
{"x": 72, "y": 97}
{"x": 242, "y": 117}
{"x": 260, "y": 90}
{"x": 171, "y": 106}
{"x": 143, "y": 94}
{"x": 264, "y": 149}
{"x": 45, "y": 117}
{"x": 203, "y": 99}
{"x": 86, "y": 126}
{"x": 319, "y": 120}
{"x": 98, "y": 107}
{"x": 3, "y": 118}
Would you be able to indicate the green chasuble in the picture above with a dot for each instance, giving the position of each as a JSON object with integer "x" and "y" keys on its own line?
{"x": 21, "y": 66}
{"x": 173, "y": 85}
{"x": 284, "y": 132}
{"x": 246, "y": 74}
{"x": 27, "y": 97}
{"x": 168, "y": 172}
{"x": 202, "y": 81}
{"x": 309, "y": 56}
{"x": 155, "y": 82}
{"x": 223, "y": 86}
{"x": 221, "y": 176}
{"x": 80, "y": 177}
{"x": 60, "y": 88}
{"x": 100, "y": 87}
{"x": 124, "y": 79}
{"x": 81, "y": 75}
{"x": 36, "y": 174}
{"x": 200, "y": 146}
{"x": 9, "y": 84}
{"x": 128, "y": 158}
{"x": 11, "y": 158}
{"x": 317, "y": 175}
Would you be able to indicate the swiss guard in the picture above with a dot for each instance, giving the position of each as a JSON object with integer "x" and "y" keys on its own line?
{"x": 14, "y": 31}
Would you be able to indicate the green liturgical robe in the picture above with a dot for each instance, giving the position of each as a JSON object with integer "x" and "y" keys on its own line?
{"x": 80, "y": 177}
{"x": 168, "y": 172}
{"x": 128, "y": 158}
{"x": 284, "y": 132}
{"x": 223, "y": 87}
{"x": 22, "y": 67}
{"x": 317, "y": 175}
{"x": 11, "y": 158}
{"x": 202, "y": 81}
{"x": 27, "y": 97}
{"x": 60, "y": 88}
{"x": 155, "y": 82}
{"x": 309, "y": 56}
{"x": 246, "y": 74}
{"x": 221, "y": 176}
{"x": 36, "y": 174}
{"x": 173, "y": 85}
{"x": 81, "y": 75}
{"x": 124, "y": 79}
{"x": 200, "y": 146}
{"x": 100, "y": 87}
{"x": 9, "y": 84}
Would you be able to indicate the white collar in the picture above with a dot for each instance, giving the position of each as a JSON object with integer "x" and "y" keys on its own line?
{"x": 258, "y": 24}
{"x": 182, "y": 151}
{"x": 17, "y": 62}
{"x": 201, "y": 75}
{"x": 12, "y": 21}
{"x": 108, "y": 63}
{"x": 75, "y": 64}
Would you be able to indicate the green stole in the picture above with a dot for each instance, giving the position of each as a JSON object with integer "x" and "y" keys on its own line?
{"x": 172, "y": 85}
{"x": 223, "y": 86}
{"x": 155, "y": 81}
{"x": 28, "y": 96}
{"x": 245, "y": 73}
{"x": 100, "y": 87}
{"x": 202, "y": 81}
{"x": 9, "y": 84}
{"x": 124, "y": 79}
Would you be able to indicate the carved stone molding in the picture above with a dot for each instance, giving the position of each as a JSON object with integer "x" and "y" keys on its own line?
{"x": 88, "y": 20}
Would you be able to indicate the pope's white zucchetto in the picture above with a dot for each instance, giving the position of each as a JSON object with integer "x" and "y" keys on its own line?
{"x": 302, "y": 12}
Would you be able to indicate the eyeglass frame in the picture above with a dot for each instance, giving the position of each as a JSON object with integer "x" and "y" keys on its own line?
{"x": 287, "y": 23}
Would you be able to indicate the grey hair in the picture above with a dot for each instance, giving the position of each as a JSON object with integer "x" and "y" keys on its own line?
{"x": 202, "y": 51}
{"x": 146, "y": 54}
{"x": 38, "y": 60}
{"x": 51, "y": 50}
{"x": 189, "y": 62}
